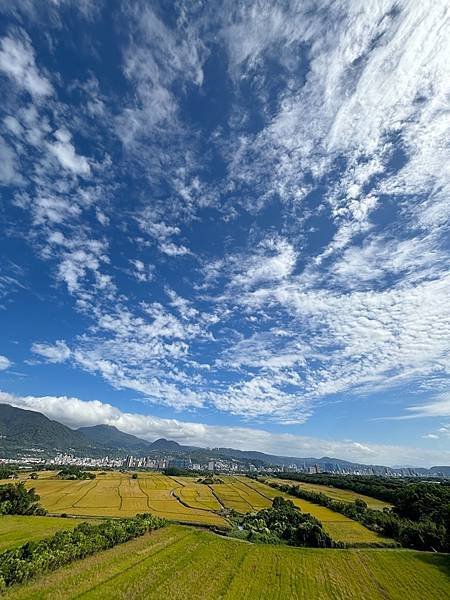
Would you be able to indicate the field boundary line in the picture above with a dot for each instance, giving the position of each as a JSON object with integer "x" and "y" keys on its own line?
{"x": 138, "y": 562}
{"x": 74, "y": 505}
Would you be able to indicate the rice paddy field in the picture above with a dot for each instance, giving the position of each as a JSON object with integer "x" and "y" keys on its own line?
{"x": 16, "y": 530}
{"x": 180, "y": 499}
{"x": 185, "y": 563}
{"x": 117, "y": 494}
{"x": 339, "y": 527}
{"x": 336, "y": 493}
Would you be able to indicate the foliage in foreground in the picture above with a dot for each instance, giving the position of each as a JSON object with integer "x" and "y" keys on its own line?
{"x": 34, "y": 558}
{"x": 6, "y": 472}
{"x": 422, "y": 534}
{"x": 284, "y": 523}
{"x": 15, "y": 499}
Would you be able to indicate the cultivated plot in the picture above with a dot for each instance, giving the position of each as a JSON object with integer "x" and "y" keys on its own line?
{"x": 340, "y": 527}
{"x": 116, "y": 494}
{"x": 336, "y": 493}
{"x": 236, "y": 495}
{"x": 188, "y": 564}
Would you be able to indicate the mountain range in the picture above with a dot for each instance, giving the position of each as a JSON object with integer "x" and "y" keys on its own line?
{"x": 26, "y": 432}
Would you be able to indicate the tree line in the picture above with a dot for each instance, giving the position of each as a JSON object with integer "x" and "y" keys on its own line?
{"x": 15, "y": 499}
{"x": 34, "y": 558}
{"x": 420, "y": 517}
{"x": 283, "y": 523}
{"x": 72, "y": 472}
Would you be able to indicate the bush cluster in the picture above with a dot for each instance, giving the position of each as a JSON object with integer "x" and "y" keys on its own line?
{"x": 33, "y": 558}
{"x": 284, "y": 523}
{"x": 74, "y": 473}
{"x": 424, "y": 529}
{"x": 210, "y": 480}
{"x": 15, "y": 499}
{"x": 6, "y": 472}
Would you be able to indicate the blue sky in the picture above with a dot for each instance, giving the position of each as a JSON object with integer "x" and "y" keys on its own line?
{"x": 230, "y": 227}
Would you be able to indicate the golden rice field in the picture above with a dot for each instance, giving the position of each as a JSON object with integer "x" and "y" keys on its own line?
{"x": 235, "y": 494}
{"x": 16, "y": 530}
{"x": 181, "y": 499}
{"x": 339, "y": 527}
{"x": 183, "y": 563}
{"x": 336, "y": 493}
{"x": 116, "y": 494}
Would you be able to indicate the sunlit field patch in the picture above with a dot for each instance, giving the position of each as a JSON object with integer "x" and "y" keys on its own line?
{"x": 340, "y": 527}
{"x": 189, "y": 564}
{"x": 336, "y": 493}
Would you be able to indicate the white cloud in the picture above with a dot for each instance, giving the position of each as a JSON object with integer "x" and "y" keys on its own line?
{"x": 9, "y": 172}
{"x": 141, "y": 271}
{"x": 5, "y": 363}
{"x": 172, "y": 249}
{"x": 17, "y": 61}
{"x": 155, "y": 59}
{"x": 76, "y": 413}
{"x": 65, "y": 152}
{"x": 439, "y": 407}
{"x": 55, "y": 353}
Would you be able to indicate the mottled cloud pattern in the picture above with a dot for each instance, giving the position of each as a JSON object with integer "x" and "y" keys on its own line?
{"x": 241, "y": 214}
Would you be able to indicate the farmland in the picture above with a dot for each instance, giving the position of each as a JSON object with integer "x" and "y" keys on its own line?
{"x": 180, "y": 499}
{"x": 16, "y": 530}
{"x": 189, "y": 564}
{"x": 339, "y": 527}
{"x": 236, "y": 495}
{"x": 116, "y": 494}
{"x": 336, "y": 493}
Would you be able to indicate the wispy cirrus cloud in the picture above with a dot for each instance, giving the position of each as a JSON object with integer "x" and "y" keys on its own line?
{"x": 248, "y": 208}
{"x": 17, "y": 61}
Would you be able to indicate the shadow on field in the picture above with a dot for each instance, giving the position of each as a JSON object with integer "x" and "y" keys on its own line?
{"x": 441, "y": 561}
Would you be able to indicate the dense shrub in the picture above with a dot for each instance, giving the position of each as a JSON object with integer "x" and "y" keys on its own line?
{"x": 7, "y": 472}
{"x": 33, "y": 558}
{"x": 15, "y": 499}
{"x": 422, "y": 534}
{"x": 72, "y": 472}
{"x": 284, "y": 522}
{"x": 210, "y": 480}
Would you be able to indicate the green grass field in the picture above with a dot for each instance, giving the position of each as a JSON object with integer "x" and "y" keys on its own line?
{"x": 340, "y": 527}
{"x": 336, "y": 493}
{"x": 183, "y": 563}
{"x": 16, "y": 530}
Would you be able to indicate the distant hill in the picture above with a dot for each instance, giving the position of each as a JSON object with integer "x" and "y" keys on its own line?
{"x": 109, "y": 436}
{"x": 445, "y": 471}
{"x": 26, "y": 429}
{"x": 28, "y": 432}
{"x": 163, "y": 445}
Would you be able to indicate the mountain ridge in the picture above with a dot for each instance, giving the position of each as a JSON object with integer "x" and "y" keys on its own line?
{"x": 22, "y": 429}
